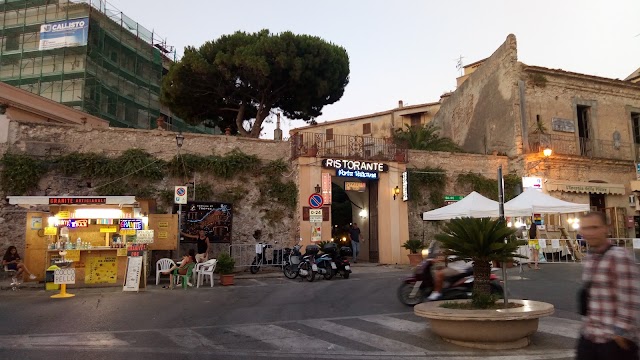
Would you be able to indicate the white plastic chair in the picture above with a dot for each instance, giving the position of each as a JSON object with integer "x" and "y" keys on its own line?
{"x": 163, "y": 264}
{"x": 206, "y": 269}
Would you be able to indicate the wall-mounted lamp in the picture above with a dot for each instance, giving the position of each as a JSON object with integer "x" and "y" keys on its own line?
{"x": 318, "y": 189}
{"x": 547, "y": 152}
{"x": 179, "y": 139}
{"x": 396, "y": 192}
{"x": 363, "y": 213}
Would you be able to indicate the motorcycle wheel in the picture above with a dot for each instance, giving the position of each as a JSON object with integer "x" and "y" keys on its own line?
{"x": 254, "y": 268}
{"x": 289, "y": 273}
{"x": 311, "y": 275}
{"x": 345, "y": 274}
{"x": 330, "y": 273}
{"x": 404, "y": 292}
{"x": 497, "y": 289}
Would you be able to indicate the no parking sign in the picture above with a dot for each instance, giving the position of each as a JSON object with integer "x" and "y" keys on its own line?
{"x": 316, "y": 201}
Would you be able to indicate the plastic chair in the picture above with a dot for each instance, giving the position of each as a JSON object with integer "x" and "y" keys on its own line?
{"x": 206, "y": 269}
{"x": 12, "y": 275}
{"x": 185, "y": 278}
{"x": 163, "y": 264}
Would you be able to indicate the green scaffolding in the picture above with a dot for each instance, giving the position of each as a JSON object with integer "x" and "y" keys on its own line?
{"x": 116, "y": 76}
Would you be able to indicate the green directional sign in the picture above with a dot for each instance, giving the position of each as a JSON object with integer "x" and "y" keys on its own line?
{"x": 453, "y": 197}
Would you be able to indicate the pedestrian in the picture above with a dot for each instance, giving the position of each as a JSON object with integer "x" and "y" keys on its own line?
{"x": 354, "y": 236}
{"x": 13, "y": 261}
{"x": 202, "y": 244}
{"x": 610, "y": 297}
{"x": 534, "y": 245}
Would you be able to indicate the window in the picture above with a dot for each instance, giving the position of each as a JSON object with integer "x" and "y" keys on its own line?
{"x": 366, "y": 128}
{"x": 635, "y": 121}
{"x": 584, "y": 128}
{"x": 416, "y": 120}
{"x": 12, "y": 42}
{"x": 329, "y": 134}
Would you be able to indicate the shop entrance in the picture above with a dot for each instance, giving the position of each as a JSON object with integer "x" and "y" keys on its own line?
{"x": 356, "y": 201}
{"x": 597, "y": 202}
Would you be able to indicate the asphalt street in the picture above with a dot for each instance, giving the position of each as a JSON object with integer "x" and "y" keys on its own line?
{"x": 267, "y": 317}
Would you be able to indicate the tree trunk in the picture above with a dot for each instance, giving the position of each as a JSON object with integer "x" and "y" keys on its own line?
{"x": 262, "y": 114}
{"x": 481, "y": 273}
{"x": 240, "y": 121}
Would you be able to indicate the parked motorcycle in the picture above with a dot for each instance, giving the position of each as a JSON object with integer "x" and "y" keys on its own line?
{"x": 340, "y": 259}
{"x": 418, "y": 286}
{"x": 308, "y": 268}
{"x": 292, "y": 259}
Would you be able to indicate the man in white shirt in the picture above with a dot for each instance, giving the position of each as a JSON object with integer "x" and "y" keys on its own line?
{"x": 453, "y": 268}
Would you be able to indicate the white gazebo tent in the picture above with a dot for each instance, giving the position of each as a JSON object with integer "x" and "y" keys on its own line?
{"x": 472, "y": 205}
{"x": 534, "y": 201}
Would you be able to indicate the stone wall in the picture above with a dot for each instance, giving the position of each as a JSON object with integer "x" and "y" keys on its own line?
{"x": 454, "y": 164}
{"x": 483, "y": 114}
{"x": 250, "y": 214}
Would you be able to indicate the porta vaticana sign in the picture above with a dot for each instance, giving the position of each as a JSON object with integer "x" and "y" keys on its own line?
{"x": 355, "y": 168}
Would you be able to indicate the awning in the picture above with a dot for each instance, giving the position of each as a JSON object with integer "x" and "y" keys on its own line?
{"x": 585, "y": 187}
{"x": 27, "y": 201}
{"x": 635, "y": 185}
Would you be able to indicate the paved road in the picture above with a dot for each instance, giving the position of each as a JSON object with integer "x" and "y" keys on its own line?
{"x": 358, "y": 318}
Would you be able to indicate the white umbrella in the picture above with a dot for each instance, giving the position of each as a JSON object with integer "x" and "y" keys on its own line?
{"x": 534, "y": 201}
{"x": 473, "y": 205}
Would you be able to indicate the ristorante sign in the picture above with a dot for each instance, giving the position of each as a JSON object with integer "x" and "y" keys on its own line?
{"x": 355, "y": 168}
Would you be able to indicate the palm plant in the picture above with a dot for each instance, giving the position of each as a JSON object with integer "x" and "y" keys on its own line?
{"x": 424, "y": 138}
{"x": 482, "y": 241}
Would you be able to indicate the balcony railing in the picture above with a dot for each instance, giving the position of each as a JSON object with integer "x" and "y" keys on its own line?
{"x": 347, "y": 147}
{"x": 580, "y": 146}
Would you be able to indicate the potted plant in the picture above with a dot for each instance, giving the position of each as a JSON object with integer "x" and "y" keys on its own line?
{"x": 414, "y": 246}
{"x": 492, "y": 325}
{"x": 224, "y": 266}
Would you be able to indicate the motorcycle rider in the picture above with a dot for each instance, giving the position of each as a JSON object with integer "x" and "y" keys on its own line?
{"x": 452, "y": 268}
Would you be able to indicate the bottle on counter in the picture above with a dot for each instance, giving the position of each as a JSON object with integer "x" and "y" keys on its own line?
{"x": 78, "y": 243}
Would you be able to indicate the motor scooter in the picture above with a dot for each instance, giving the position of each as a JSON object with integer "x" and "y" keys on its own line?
{"x": 417, "y": 287}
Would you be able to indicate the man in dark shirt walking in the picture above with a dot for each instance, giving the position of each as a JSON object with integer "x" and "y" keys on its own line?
{"x": 354, "y": 236}
{"x": 611, "y": 283}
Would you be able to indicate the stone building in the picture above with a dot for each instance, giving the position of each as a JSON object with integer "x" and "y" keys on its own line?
{"x": 591, "y": 124}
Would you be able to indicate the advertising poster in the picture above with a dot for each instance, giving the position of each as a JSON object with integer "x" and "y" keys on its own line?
{"x": 64, "y": 34}
{"x": 101, "y": 270}
{"x": 214, "y": 218}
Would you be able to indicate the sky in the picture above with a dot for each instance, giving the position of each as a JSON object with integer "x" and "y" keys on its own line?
{"x": 408, "y": 49}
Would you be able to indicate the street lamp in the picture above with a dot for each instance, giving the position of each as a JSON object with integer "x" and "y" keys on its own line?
{"x": 179, "y": 139}
{"x": 318, "y": 189}
{"x": 396, "y": 192}
{"x": 547, "y": 152}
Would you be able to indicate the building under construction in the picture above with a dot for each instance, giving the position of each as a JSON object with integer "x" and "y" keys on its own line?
{"x": 88, "y": 55}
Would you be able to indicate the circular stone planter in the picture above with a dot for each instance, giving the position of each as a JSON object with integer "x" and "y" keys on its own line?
{"x": 485, "y": 329}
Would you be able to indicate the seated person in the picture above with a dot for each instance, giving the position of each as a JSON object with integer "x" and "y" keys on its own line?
{"x": 453, "y": 268}
{"x": 13, "y": 261}
{"x": 181, "y": 269}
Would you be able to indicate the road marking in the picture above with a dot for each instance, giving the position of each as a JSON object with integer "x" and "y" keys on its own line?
{"x": 188, "y": 338}
{"x": 366, "y": 338}
{"x": 76, "y": 340}
{"x": 284, "y": 339}
{"x": 398, "y": 324}
{"x": 559, "y": 326}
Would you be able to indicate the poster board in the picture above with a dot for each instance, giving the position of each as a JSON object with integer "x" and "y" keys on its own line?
{"x": 134, "y": 274}
{"x": 101, "y": 270}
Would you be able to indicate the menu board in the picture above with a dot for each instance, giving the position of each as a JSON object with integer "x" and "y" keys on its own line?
{"x": 101, "y": 270}
{"x": 134, "y": 270}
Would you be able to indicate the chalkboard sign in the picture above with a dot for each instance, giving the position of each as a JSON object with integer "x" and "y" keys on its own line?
{"x": 134, "y": 271}
{"x": 563, "y": 125}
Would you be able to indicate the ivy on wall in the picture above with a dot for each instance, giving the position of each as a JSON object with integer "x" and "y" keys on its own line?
{"x": 136, "y": 172}
{"x": 432, "y": 179}
{"x": 489, "y": 187}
